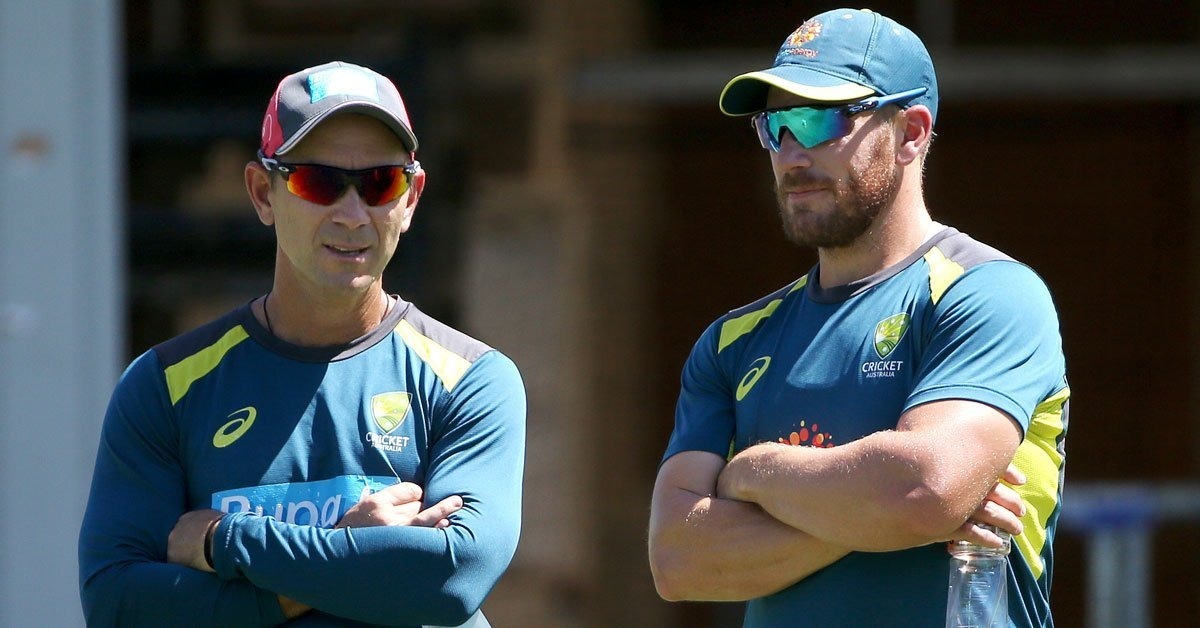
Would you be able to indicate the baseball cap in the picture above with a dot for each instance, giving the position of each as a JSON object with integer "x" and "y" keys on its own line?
{"x": 305, "y": 99}
{"x": 839, "y": 56}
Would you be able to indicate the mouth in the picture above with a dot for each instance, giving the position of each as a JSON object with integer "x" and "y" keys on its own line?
{"x": 347, "y": 252}
{"x": 803, "y": 192}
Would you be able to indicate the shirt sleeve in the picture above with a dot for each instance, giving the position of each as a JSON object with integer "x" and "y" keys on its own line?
{"x": 704, "y": 414}
{"x": 408, "y": 574}
{"x": 993, "y": 338}
{"x": 137, "y": 495}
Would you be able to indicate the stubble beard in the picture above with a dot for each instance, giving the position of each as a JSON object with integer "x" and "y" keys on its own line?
{"x": 858, "y": 200}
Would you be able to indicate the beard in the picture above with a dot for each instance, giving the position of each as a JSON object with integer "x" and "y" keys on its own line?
{"x": 858, "y": 199}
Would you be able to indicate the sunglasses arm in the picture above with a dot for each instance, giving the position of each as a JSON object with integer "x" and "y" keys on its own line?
{"x": 878, "y": 101}
{"x": 270, "y": 164}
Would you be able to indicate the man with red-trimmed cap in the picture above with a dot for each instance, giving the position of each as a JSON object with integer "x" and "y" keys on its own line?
{"x": 908, "y": 390}
{"x": 326, "y": 454}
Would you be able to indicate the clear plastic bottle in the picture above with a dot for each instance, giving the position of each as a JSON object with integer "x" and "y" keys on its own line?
{"x": 978, "y": 596}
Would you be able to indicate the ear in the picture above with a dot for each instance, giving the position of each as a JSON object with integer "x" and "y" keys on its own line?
{"x": 258, "y": 186}
{"x": 915, "y": 129}
{"x": 410, "y": 200}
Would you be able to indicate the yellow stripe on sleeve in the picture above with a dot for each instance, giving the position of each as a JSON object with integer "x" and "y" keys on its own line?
{"x": 447, "y": 365}
{"x": 1039, "y": 459}
{"x": 182, "y": 375}
{"x": 942, "y": 272}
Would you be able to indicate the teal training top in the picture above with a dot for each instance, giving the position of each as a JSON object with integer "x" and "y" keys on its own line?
{"x": 286, "y": 439}
{"x": 821, "y": 367}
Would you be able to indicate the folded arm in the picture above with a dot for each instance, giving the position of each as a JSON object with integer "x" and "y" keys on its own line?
{"x": 190, "y": 542}
{"x": 889, "y": 490}
{"x": 706, "y": 548}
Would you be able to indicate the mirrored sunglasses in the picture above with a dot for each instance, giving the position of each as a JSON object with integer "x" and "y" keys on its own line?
{"x": 813, "y": 125}
{"x": 324, "y": 185}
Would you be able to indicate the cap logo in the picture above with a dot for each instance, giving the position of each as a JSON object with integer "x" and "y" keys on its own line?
{"x": 342, "y": 82}
{"x": 807, "y": 32}
{"x": 272, "y": 133}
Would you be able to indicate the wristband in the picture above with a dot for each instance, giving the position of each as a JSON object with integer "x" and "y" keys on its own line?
{"x": 208, "y": 541}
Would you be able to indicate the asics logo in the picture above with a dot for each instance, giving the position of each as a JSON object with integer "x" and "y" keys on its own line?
{"x": 233, "y": 430}
{"x": 757, "y": 368}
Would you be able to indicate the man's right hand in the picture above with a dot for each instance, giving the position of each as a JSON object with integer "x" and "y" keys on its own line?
{"x": 400, "y": 505}
{"x": 1002, "y": 508}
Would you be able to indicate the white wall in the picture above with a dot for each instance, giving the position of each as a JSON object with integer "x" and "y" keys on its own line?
{"x": 61, "y": 292}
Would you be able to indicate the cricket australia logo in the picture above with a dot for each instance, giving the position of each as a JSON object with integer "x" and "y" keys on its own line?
{"x": 888, "y": 334}
{"x": 389, "y": 411}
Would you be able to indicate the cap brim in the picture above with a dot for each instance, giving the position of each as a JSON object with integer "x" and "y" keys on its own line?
{"x": 747, "y": 93}
{"x": 407, "y": 137}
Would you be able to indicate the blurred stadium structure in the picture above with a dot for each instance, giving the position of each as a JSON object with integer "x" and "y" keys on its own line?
{"x": 589, "y": 212}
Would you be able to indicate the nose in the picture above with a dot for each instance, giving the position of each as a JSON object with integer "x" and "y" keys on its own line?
{"x": 351, "y": 210}
{"x": 791, "y": 153}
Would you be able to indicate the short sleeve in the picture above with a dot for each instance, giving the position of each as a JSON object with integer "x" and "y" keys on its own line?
{"x": 704, "y": 414}
{"x": 994, "y": 338}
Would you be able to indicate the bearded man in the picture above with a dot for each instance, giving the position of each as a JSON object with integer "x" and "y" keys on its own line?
{"x": 909, "y": 390}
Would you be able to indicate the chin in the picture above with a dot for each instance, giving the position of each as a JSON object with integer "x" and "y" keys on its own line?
{"x": 363, "y": 282}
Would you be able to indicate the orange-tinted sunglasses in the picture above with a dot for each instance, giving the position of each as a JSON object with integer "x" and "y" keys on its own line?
{"x": 323, "y": 185}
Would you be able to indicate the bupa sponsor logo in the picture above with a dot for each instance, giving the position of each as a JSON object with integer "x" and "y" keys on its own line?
{"x": 320, "y": 503}
{"x": 887, "y": 336}
{"x": 389, "y": 410}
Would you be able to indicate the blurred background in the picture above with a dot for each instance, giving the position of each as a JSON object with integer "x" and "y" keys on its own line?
{"x": 589, "y": 212}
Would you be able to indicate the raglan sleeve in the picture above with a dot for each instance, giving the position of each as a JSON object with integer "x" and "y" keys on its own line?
{"x": 993, "y": 338}
{"x": 137, "y": 495}
{"x": 704, "y": 412}
{"x": 409, "y": 575}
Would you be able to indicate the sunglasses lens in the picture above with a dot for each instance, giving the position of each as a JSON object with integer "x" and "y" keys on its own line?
{"x": 382, "y": 185}
{"x": 324, "y": 185}
{"x": 316, "y": 184}
{"x": 762, "y": 129}
{"x": 810, "y": 126}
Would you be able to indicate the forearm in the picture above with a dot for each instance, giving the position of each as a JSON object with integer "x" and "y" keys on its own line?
{"x": 353, "y": 572}
{"x": 708, "y": 549}
{"x": 151, "y": 594}
{"x": 887, "y": 491}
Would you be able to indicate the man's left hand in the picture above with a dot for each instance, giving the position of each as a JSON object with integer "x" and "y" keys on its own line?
{"x": 1002, "y": 508}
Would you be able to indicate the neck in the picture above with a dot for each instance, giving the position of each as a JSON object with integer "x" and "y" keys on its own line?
{"x": 307, "y": 320}
{"x": 896, "y": 233}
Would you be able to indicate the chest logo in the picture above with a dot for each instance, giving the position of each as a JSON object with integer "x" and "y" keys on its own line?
{"x": 757, "y": 368}
{"x": 889, "y": 332}
{"x": 234, "y": 429}
{"x": 390, "y": 409}
{"x": 808, "y": 436}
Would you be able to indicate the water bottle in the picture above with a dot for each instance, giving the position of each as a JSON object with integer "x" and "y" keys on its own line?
{"x": 978, "y": 584}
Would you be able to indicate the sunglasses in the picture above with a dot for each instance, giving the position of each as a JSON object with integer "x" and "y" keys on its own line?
{"x": 814, "y": 125}
{"x": 324, "y": 185}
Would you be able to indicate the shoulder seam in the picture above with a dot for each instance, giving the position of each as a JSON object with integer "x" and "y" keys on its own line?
{"x": 737, "y": 326}
{"x": 449, "y": 366}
